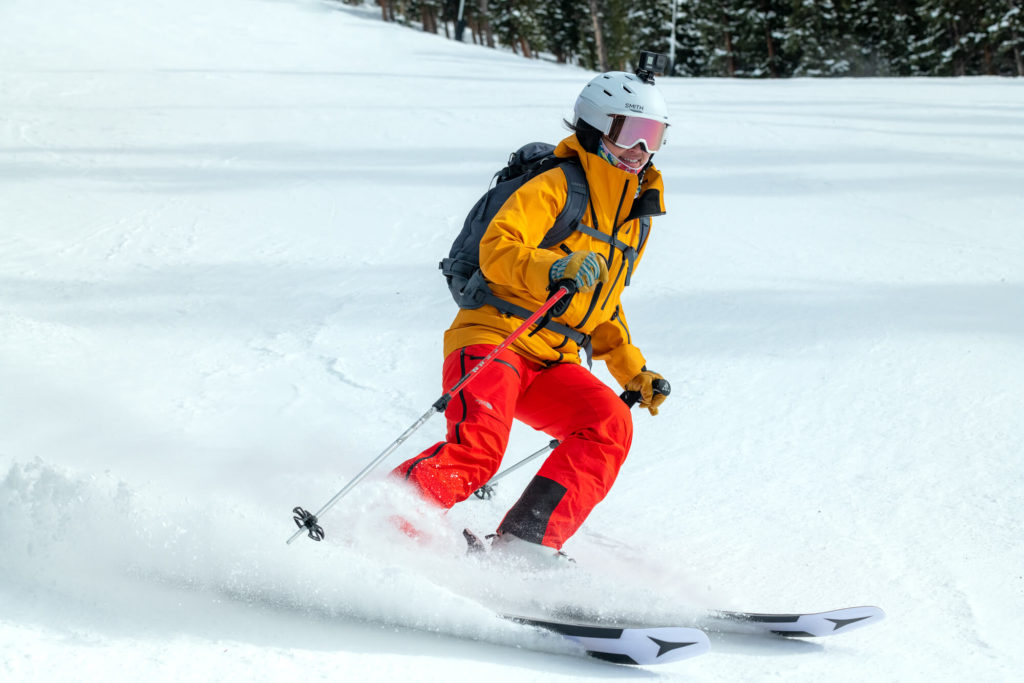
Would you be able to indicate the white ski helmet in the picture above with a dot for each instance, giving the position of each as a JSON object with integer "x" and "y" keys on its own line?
{"x": 617, "y": 95}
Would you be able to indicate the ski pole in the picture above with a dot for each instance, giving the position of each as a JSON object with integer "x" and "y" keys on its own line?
{"x": 309, "y": 523}
{"x": 630, "y": 398}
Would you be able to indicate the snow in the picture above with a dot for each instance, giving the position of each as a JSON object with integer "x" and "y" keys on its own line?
{"x": 219, "y": 300}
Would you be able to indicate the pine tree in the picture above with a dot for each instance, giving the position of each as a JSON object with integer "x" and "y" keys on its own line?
{"x": 815, "y": 40}
{"x": 652, "y": 25}
{"x": 767, "y": 22}
{"x": 693, "y": 52}
{"x": 864, "y": 42}
{"x": 954, "y": 40}
{"x": 619, "y": 33}
{"x": 719, "y": 22}
{"x": 881, "y": 35}
{"x": 558, "y": 21}
{"x": 744, "y": 37}
{"x": 1007, "y": 29}
{"x": 514, "y": 23}
{"x": 898, "y": 30}
{"x": 748, "y": 38}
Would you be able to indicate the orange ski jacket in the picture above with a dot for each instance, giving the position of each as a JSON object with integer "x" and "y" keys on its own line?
{"x": 516, "y": 269}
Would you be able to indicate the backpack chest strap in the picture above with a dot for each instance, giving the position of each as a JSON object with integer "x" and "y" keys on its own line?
{"x": 628, "y": 252}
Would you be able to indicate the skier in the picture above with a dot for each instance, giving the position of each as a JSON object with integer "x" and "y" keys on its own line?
{"x": 619, "y": 122}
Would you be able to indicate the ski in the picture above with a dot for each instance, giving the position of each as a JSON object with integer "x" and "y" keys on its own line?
{"x": 637, "y": 645}
{"x": 790, "y": 625}
{"x": 643, "y": 642}
{"x": 795, "y": 625}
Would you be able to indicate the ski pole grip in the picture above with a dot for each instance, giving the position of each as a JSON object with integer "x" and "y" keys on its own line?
{"x": 660, "y": 386}
{"x": 563, "y": 304}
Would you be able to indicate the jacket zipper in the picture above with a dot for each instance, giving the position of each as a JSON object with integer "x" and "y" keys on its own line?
{"x": 617, "y": 315}
{"x": 611, "y": 247}
{"x": 622, "y": 266}
{"x": 611, "y": 259}
{"x": 593, "y": 303}
{"x": 615, "y": 223}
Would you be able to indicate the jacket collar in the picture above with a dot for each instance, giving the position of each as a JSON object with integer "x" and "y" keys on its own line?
{"x": 613, "y": 192}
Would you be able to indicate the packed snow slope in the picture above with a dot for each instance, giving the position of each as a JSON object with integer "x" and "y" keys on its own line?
{"x": 219, "y": 300}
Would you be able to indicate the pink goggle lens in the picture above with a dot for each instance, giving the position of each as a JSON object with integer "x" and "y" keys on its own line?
{"x": 627, "y": 131}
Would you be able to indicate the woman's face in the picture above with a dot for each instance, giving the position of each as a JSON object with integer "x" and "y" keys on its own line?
{"x": 635, "y": 156}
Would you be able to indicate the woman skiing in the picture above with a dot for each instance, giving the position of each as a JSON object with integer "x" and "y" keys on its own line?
{"x": 620, "y": 120}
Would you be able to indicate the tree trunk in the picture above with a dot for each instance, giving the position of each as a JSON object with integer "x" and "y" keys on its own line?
{"x": 526, "y": 47}
{"x": 771, "y": 48}
{"x": 383, "y": 8}
{"x": 959, "y": 66}
{"x": 731, "y": 59}
{"x": 485, "y": 19}
{"x": 602, "y": 50}
{"x": 429, "y": 19}
{"x": 1016, "y": 43}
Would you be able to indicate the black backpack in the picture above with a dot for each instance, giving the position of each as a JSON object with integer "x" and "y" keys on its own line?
{"x": 462, "y": 267}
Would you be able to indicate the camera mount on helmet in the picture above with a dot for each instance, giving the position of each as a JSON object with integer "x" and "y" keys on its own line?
{"x": 651, "y": 64}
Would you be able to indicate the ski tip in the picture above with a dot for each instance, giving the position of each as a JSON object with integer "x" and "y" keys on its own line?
{"x": 821, "y": 624}
{"x": 802, "y": 624}
{"x": 849, "y": 619}
{"x": 852, "y": 618}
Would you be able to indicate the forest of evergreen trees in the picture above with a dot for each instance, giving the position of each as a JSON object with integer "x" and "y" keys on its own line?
{"x": 743, "y": 38}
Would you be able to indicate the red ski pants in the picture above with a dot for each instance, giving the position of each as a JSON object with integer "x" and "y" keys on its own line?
{"x": 566, "y": 401}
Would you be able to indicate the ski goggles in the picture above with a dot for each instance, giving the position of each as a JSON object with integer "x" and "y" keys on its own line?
{"x": 627, "y": 131}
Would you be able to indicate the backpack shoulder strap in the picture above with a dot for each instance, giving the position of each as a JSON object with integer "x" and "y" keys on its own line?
{"x": 575, "y": 204}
